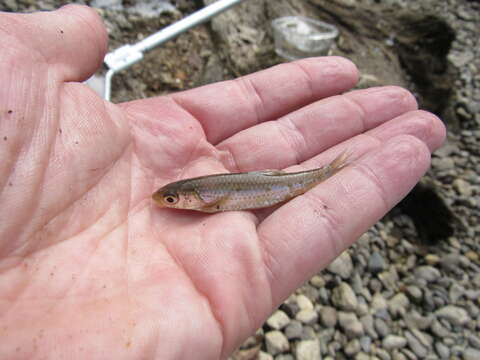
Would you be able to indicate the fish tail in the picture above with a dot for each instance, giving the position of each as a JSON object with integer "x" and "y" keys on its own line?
{"x": 339, "y": 162}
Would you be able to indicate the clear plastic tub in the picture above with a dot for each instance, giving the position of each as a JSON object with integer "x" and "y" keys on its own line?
{"x": 298, "y": 37}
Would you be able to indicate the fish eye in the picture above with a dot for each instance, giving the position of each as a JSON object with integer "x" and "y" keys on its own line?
{"x": 170, "y": 198}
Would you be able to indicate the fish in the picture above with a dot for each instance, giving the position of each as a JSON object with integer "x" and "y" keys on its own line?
{"x": 244, "y": 190}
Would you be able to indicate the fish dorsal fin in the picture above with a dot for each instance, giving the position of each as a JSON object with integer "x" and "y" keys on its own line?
{"x": 268, "y": 172}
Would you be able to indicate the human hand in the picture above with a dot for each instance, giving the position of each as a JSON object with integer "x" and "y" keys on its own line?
{"x": 91, "y": 268}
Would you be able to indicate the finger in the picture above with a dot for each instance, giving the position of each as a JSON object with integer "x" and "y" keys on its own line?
{"x": 423, "y": 125}
{"x": 230, "y": 106}
{"x": 314, "y": 128}
{"x": 71, "y": 40}
{"x": 317, "y": 226}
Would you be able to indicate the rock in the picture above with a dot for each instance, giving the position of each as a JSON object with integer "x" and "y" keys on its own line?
{"x": 379, "y": 303}
{"x": 415, "y": 345}
{"x": 264, "y": 356}
{"x": 472, "y": 256}
{"x": 376, "y": 262}
{"x": 344, "y": 298}
{"x": 308, "y": 333}
{"x": 398, "y": 304}
{"x": 474, "y": 341}
{"x": 442, "y": 350}
{"x": 278, "y": 320}
{"x": 342, "y": 265}
{"x": 368, "y": 326}
{"x": 453, "y": 314}
{"x": 399, "y": 356}
{"x": 415, "y": 293}
{"x": 443, "y": 164}
{"x": 455, "y": 292}
{"x": 416, "y": 321}
{"x": 362, "y": 356}
{"x": 317, "y": 281}
{"x": 424, "y": 338}
{"x": 276, "y": 342}
{"x": 352, "y": 348}
{"x": 471, "y": 354}
{"x": 439, "y": 330}
{"x": 432, "y": 259}
{"x": 307, "y": 316}
{"x": 462, "y": 187}
{"x": 381, "y": 327}
{"x": 428, "y": 273}
{"x": 350, "y": 324}
{"x": 383, "y": 354}
{"x": 328, "y": 316}
{"x": 394, "y": 342}
{"x": 290, "y": 308}
{"x": 366, "y": 344}
{"x": 304, "y": 303}
{"x": 284, "y": 357}
{"x": 294, "y": 330}
{"x": 308, "y": 350}
{"x": 389, "y": 278}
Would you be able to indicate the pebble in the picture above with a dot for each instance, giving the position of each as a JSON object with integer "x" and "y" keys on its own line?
{"x": 308, "y": 333}
{"x": 342, "y": 265}
{"x": 362, "y": 356}
{"x": 415, "y": 293}
{"x": 294, "y": 330}
{"x": 472, "y": 256}
{"x": 376, "y": 262}
{"x": 432, "y": 259}
{"x": 442, "y": 164}
{"x": 290, "y": 308}
{"x": 284, "y": 357}
{"x": 328, "y": 316}
{"x": 307, "y": 316}
{"x": 389, "y": 278}
{"x": 264, "y": 356}
{"x": 278, "y": 320}
{"x": 394, "y": 342}
{"x": 474, "y": 341}
{"x": 455, "y": 292}
{"x": 471, "y": 354}
{"x": 379, "y": 303}
{"x": 304, "y": 303}
{"x": 398, "y": 304}
{"x": 276, "y": 342}
{"x": 442, "y": 350}
{"x": 381, "y": 327}
{"x": 368, "y": 325}
{"x": 344, "y": 298}
{"x": 416, "y": 321}
{"x": 317, "y": 281}
{"x": 428, "y": 273}
{"x": 350, "y": 324}
{"x": 439, "y": 330}
{"x": 462, "y": 187}
{"x": 453, "y": 314}
{"x": 352, "y": 347}
{"x": 307, "y": 350}
{"x": 415, "y": 345}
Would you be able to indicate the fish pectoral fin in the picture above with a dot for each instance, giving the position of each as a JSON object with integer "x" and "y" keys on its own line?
{"x": 214, "y": 206}
{"x": 268, "y": 172}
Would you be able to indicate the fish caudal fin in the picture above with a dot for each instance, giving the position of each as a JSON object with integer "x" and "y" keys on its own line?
{"x": 339, "y": 162}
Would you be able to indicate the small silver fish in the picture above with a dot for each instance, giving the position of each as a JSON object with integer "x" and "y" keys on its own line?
{"x": 243, "y": 191}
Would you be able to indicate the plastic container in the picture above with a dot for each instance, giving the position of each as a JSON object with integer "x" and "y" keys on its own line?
{"x": 298, "y": 37}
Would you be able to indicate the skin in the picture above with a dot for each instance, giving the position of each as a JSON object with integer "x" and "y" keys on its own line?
{"x": 91, "y": 268}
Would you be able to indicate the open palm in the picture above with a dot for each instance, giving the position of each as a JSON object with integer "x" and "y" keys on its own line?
{"x": 90, "y": 268}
